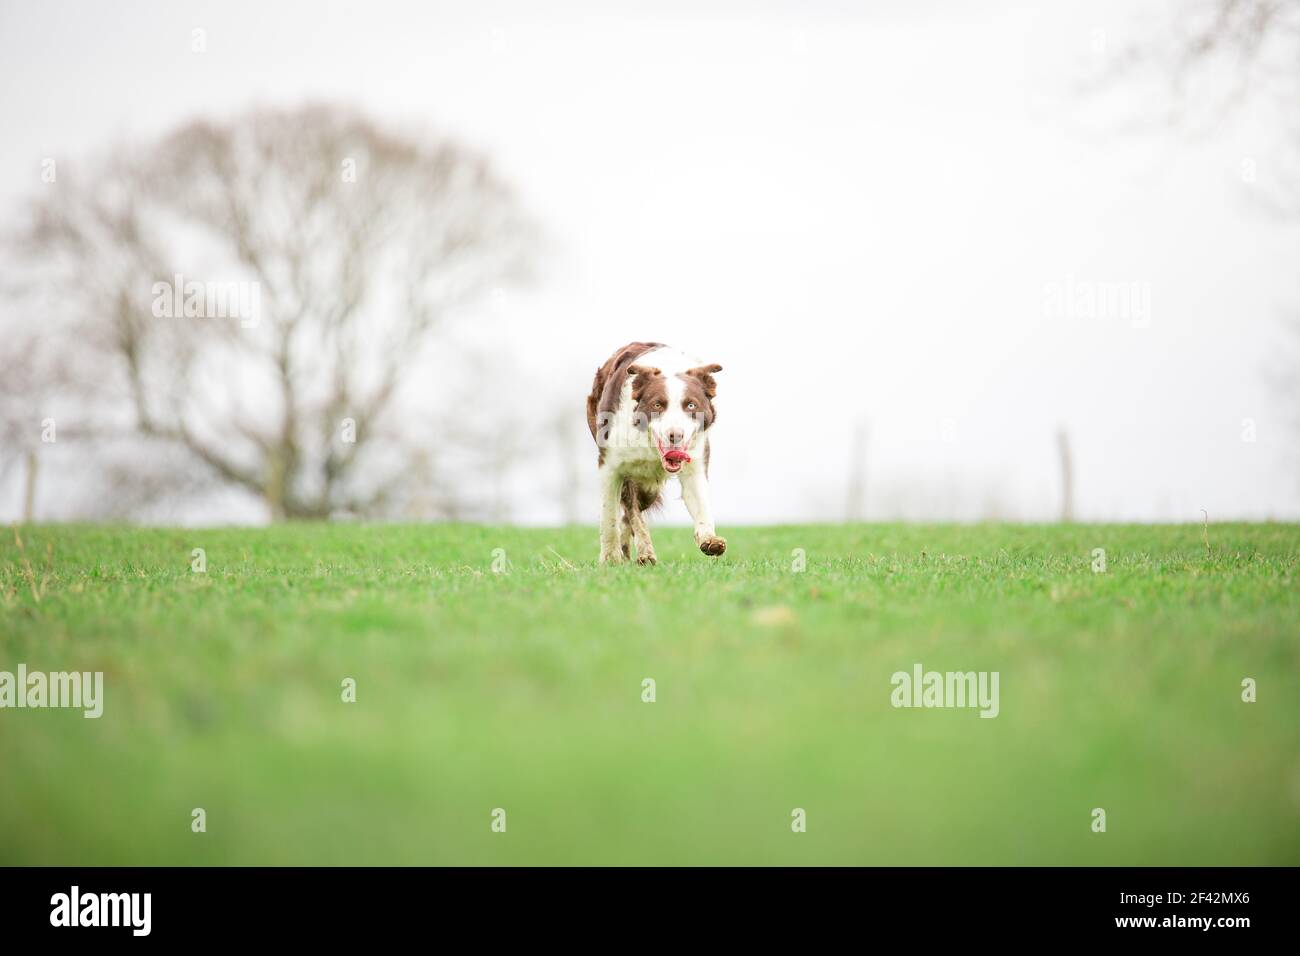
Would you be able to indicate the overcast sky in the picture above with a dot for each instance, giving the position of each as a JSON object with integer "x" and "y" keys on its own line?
{"x": 886, "y": 214}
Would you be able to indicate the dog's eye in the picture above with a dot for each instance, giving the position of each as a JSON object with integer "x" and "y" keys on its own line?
{"x": 690, "y": 406}
{"x": 659, "y": 406}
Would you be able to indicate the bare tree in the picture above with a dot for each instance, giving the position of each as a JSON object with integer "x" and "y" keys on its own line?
{"x": 262, "y": 294}
{"x": 19, "y": 423}
{"x": 1215, "y": 59}
{"x": 1209, "y": 60}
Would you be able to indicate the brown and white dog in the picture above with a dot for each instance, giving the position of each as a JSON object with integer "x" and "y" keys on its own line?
{"x": 650, "y": 410}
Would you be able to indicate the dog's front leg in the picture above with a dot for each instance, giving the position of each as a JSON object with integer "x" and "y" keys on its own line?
{"x": 611, "y": 504}
{"x": 695, "y": 492}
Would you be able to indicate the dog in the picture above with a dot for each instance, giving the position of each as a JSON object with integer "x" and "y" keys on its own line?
{"x": 650, "y": 411}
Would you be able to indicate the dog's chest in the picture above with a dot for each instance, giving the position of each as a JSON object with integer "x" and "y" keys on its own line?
{"x": 645, "y": 470}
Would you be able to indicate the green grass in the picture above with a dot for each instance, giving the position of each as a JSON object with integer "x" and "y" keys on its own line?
{"x": 523, "y": 691}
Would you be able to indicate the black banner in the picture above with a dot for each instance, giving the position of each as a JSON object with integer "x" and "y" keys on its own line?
{"x": 1224, "y": 905}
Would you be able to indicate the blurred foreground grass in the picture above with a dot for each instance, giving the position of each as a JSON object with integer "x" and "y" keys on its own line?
{"x": 523, "y": 691}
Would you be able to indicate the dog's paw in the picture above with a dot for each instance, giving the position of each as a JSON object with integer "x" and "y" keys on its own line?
{"x": 647, "y": 558}
{"x": 712, "y": 545}
{"x": 612, "y": 557}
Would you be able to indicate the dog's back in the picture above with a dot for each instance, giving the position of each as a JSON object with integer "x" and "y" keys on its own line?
{"x": 608, "y": 384}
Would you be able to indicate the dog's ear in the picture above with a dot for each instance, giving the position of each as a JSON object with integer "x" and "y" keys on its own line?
{"x": 705, "y": 374}
{"x": 641, "y": 376}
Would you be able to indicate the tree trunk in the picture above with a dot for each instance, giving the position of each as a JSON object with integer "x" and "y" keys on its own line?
{"x": 273, "y": 489}
{"x": 29, "y": 489}
{"x": 1067, "y": 476}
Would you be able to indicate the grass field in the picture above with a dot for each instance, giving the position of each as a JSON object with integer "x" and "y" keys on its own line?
{"x": 523, "y": 691}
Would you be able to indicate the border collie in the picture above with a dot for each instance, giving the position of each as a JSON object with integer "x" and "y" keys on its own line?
{"x": 650, "y": 410}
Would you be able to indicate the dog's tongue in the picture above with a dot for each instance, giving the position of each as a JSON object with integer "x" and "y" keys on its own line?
{"x": 676, "y": 454}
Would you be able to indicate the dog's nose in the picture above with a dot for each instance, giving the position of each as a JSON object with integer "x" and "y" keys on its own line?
{"x": 675, "y": 436}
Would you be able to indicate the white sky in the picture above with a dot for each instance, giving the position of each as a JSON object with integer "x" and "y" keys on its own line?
{"x": 858, "y": 209}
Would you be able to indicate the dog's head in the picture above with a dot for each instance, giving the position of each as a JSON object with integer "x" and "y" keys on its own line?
{"x": 675, "y": 409}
